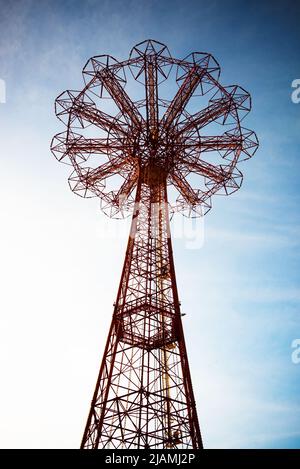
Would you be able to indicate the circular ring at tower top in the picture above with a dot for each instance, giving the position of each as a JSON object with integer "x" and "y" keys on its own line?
{"x": 123, "y": 127}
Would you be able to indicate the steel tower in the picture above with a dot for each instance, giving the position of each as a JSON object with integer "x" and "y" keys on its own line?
{"x": 127, "y": 153}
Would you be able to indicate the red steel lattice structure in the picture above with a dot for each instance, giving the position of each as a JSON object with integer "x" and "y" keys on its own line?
{"x": 127, "y": 156}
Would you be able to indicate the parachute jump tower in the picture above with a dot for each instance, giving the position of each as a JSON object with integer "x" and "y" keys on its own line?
{"x": 168, "y": 149}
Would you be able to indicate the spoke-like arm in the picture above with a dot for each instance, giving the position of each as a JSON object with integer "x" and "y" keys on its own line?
{"x": 212, "y": 143}
{"x": 127, "y": 187}
{"x": 92, "y": 145}
{"x": 121, "y": 98}
{"x": 151, "y": 95}
{"x": 216, "y": 173}
{"x": 105, "y": 170}
{"x": 215, "y": 143}
{"x": 206, "y": 116}
{"x": 183, "y": 95}
{"x": 185, "y": 189}
{"x": 98, "y": 118}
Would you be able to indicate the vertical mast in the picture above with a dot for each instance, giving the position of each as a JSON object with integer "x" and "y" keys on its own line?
{"x": 143, "y": 396}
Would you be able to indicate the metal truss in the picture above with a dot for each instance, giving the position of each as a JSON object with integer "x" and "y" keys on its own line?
{"x": 128, "y": 152}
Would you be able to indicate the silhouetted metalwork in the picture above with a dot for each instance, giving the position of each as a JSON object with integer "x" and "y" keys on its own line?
{"x": 127, "y": 152}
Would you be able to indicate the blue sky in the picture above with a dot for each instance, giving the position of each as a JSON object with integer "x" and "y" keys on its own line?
{"x": 60, "y": 271}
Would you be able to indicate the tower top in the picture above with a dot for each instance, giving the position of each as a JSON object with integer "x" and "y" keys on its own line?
{"x": 178, "y": 127}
